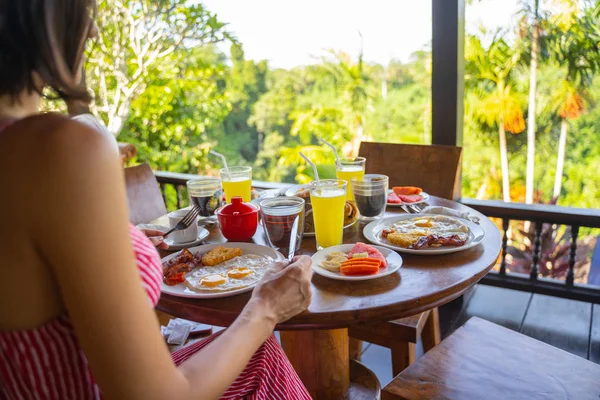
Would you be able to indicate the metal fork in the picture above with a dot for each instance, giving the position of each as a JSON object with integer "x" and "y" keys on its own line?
{"x": 185, "y": 222}
{"x": 411, "y": 209}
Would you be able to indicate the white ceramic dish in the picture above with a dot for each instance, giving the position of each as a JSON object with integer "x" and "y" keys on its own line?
{"x": 373, "y": 233}
{"x": 397, "y": 205}
{"x": 181, "y": 290}
{"x": 394, "y": 263}
{"x": 202, "y": 234}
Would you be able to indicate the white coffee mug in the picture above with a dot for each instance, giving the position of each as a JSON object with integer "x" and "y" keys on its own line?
{"x": 184, "y": 236}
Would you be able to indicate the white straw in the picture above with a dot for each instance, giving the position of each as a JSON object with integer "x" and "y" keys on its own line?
{"x": 314, "y": 167}
{"x": 337, "y": 157}
{"x": 222, "y": 157}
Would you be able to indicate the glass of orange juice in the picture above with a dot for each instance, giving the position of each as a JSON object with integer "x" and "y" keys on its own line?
{"x": 237, "y": 181}
{"x": 348, "y": 168}
{"x": 328, "y": 199}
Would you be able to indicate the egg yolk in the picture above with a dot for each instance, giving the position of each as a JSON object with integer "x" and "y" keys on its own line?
{"x": 424, "y": 223}
{"x": 238, "y": 273}
{"x": 213, "y": 280}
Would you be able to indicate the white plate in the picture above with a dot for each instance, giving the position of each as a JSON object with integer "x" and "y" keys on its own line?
{"x": 202, "y": 234}
{"x": 394, "y": 263}
{"x": 181, "y": 290}
{"x": 373, "y": 233}
{"x": 423, "y": 194}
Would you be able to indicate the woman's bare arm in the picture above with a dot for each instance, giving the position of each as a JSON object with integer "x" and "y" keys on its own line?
{"x": 93, "y": 261}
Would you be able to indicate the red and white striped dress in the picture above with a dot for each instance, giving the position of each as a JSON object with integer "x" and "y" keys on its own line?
{"x": 46, "y": 363}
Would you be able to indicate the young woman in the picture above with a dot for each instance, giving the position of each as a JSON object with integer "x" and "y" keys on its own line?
{"x": 76, "y": 278}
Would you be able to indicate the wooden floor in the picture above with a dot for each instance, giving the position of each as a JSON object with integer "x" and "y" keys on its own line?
{"x": 573, "y": 326}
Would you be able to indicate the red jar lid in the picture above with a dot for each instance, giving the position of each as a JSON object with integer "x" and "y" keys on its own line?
{"x": 238, "y": 207}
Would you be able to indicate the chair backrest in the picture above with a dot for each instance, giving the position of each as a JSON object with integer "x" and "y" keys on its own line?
{"x": 434, "y": 168}
{"x": 143, "y": 195}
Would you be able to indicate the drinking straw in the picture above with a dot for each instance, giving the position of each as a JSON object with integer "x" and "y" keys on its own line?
{"x": 222, "y": 157}
{"x": 337, "y": 157}
{"x": 314, "y": 167}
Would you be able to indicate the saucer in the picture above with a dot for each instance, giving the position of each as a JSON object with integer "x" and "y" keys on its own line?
{"x": 202, "y": 234}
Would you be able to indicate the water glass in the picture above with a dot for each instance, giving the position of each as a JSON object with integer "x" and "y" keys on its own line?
{"x": 237, "y": 181}
{"x": 370, "y": 195}
{"x": 278, "y": 215}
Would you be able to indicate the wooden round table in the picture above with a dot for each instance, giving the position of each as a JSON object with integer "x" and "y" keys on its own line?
{"x": 316, "y": 341}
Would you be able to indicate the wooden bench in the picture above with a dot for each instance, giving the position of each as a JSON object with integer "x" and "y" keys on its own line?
{"x": 482, "y": 360}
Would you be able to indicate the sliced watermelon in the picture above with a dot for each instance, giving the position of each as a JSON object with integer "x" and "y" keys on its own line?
{"x": 411, "y": 198}
{"x": 393, "y": 199}
{"x": 373, "y": 252}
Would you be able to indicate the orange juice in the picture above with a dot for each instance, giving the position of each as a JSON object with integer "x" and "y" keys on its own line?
{"x": 237, "y": 186}
{"x": 349, "y": 168}
{"x": 328, "y": 200}
{"x": 237, "y": 181}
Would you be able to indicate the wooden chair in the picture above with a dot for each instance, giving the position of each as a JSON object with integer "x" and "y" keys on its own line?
{"x": 143, "y": 195}
{"x": 482, "y": 360}
{"x": 435, "y": 169}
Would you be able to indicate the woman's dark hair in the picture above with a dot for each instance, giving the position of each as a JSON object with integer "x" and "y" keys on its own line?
{"x": 43, "y": 36}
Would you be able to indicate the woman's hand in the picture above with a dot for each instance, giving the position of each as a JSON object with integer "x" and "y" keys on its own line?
{"x": 285, "y": 290}
{"x": 156, "y": 238}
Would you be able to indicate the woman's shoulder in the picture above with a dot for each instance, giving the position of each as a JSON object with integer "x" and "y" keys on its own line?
{"x": 53, "y": 135}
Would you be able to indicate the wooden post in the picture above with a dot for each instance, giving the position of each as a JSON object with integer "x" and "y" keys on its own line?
{"x": 448, "y": 71}
{"x": 321, "y": 360}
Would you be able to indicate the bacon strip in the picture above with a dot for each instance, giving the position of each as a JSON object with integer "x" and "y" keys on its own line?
{"x": 431, "y": 240}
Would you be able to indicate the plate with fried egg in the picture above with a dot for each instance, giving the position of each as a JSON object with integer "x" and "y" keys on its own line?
{"x": 425, "y": 234}
{"x": 216, "y": 270}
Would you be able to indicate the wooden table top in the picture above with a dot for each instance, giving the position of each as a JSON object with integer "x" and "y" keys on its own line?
{"x": 422, "y": 283}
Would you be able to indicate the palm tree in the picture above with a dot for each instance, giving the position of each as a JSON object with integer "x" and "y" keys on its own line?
{"x": 533, "y": 14}
{"x": 492, "y": 69}
{"x": 353, "y": 82}
{"x": 574, "y": 45}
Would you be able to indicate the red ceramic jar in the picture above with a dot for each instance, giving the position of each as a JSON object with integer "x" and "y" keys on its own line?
{"x": 238, "y": 221}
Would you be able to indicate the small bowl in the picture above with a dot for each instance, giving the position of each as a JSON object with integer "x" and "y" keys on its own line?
{"x": 238, "y": 221}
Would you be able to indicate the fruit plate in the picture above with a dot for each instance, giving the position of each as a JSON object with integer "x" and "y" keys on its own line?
{"x": 394, "y": 263}
{"x": 181, "y": 290}
{"x": 373, "y": 234}
{"x": 423, "y": 194}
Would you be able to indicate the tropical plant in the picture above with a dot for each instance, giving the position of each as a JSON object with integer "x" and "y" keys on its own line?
{"x": 531, "y": 19}
{"x": 351, "y": 78}
{"x": 490, "y": 70}
{"x": 139, "y": 39}
{"x": 574, "y": 46}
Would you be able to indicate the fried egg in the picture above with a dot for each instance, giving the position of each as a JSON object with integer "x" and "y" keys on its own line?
{"x": 408, "y": 231}
{"x": 237, "y": 273}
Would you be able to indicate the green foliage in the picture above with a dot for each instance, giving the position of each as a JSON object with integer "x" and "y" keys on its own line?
{"x": 196, "y": 97}
{"x": 170, "y": 122}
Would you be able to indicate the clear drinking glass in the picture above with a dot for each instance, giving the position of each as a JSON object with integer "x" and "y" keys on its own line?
{"x": 237, "y": 182}
{"x": 351, "y": 167}
{"x": 370, "y": 195}
{"x": 278, "y": 215}
{"x": 205, "y": 193}
{"x": 328, "y": 199}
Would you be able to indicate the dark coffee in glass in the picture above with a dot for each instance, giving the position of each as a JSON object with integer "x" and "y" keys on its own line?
{"x": 278, "y": 216}
{"x": 205, "y": 193}
{"x": 370, "y": 194}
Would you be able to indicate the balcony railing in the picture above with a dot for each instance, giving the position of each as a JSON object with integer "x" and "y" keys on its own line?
{"x": 548, "y": 223}
{"x": 545, "y": 220}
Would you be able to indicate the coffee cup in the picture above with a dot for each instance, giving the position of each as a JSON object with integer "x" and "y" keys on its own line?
{"x": 186, "y": 235}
